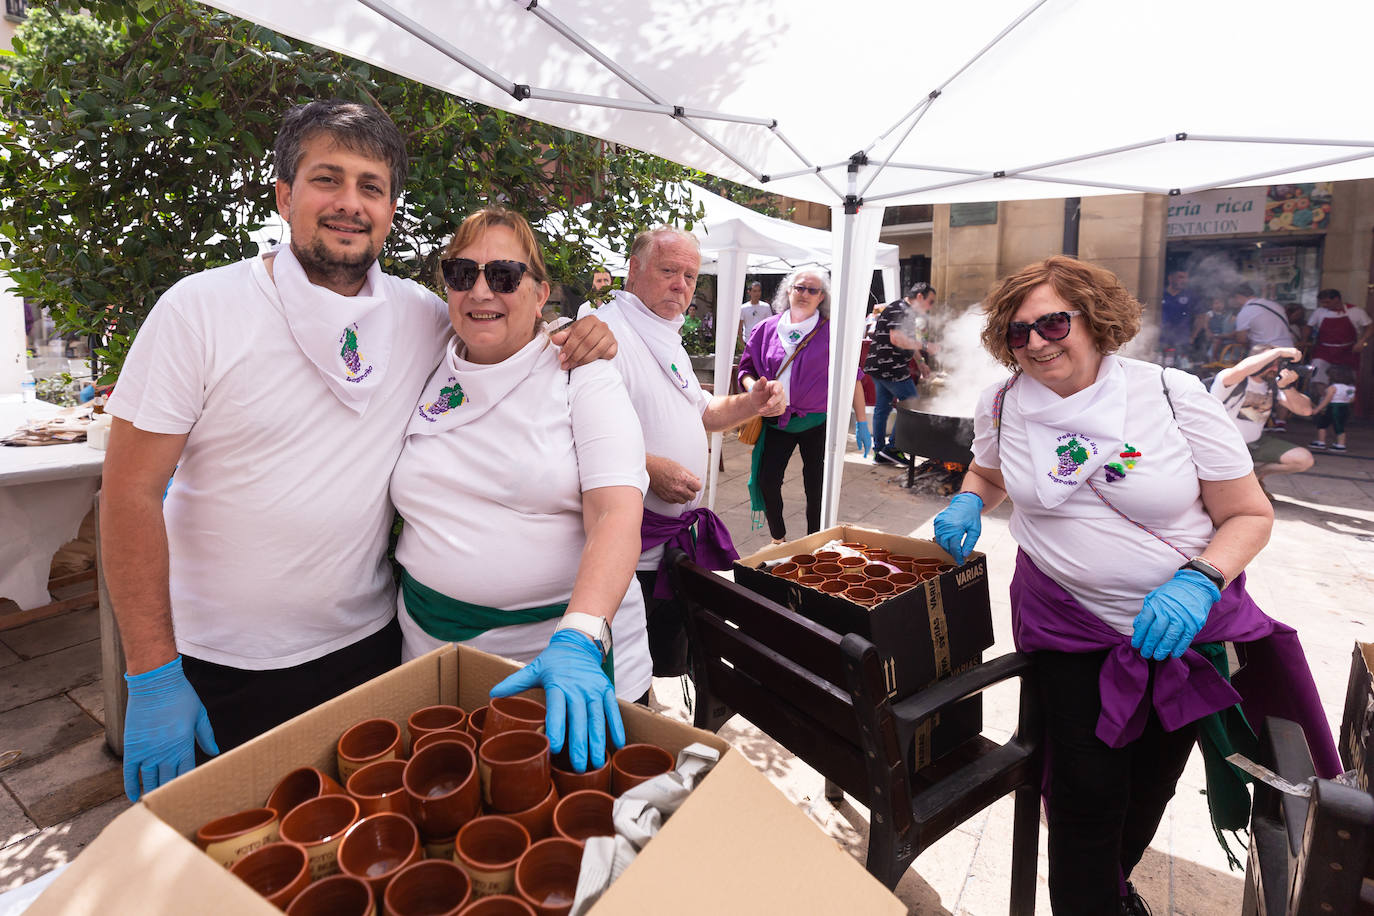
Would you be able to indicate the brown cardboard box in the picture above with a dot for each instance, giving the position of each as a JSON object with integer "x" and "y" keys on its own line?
{"x": 1357, "y": 722}
{"x": 736, "y": 845}
{"x": 925, "y": 634}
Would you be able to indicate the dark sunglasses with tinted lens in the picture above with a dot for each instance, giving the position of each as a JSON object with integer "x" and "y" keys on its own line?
{"x": 1054, "y": 326}
{"x": 808, "y": 290}
{"x": 460, "y": 274}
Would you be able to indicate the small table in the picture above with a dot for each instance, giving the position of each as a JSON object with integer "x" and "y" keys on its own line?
{"x": 45, "y": 492}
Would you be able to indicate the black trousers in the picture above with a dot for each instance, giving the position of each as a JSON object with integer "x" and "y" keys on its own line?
{"x": 243, "y": 704}
{"x": 1105, "y": 803}
{"x": 667, "y": 620}
{"x": 778, "y": 445}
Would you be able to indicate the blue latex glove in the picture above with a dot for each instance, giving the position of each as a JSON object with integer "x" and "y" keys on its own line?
{"x": 1173, "y": 614}
{"x": 164, "y": 716}
{"x": 862, "y": 437}
{"x": 87, "y": 394}
{"x": 578, "y": 696}
{"x": 959, "y": 524}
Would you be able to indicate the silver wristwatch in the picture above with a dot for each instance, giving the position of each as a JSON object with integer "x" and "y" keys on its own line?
{"x": 595, "y": 628}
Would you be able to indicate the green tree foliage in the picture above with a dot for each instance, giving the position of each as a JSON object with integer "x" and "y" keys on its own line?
{"x": 135, "y": 144}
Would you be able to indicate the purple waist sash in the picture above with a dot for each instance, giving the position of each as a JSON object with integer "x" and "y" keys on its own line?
{"x": 711, "y": 547}
{"x": 1274, "y": 681}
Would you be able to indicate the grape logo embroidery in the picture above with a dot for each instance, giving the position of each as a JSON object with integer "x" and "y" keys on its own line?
{"x": 1116, "y": 470}
{"x": 682, "y": 382}
{"x": 450, "y": 396}
{"x": 794, "y": 336}
{"x": 1074, "y": 450}
{"x": 351, "y": 356}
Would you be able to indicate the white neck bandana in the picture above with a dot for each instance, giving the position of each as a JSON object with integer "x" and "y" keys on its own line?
{"x": 1071, "y": 438}
{"x": 348, "y": 338}
{"x": 790, "y": 336}
{"x": 460, "y": 391}
{"x": 663, "y": 338}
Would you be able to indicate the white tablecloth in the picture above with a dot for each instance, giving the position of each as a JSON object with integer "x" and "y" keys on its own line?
{"x": 45, "y": 492}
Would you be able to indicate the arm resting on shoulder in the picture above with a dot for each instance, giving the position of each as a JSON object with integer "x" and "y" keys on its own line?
{"x": 583, "y": 341}
{"x": 133, "y": 539}
{"x": 611, "y": 517}
{"x": 1243, "y": 518}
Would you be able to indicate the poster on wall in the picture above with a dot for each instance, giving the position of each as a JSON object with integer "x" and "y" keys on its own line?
{"x": 1301, "y": 207}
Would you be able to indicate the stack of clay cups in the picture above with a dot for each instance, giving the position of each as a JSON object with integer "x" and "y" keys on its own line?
{"x": 477, "y": 818}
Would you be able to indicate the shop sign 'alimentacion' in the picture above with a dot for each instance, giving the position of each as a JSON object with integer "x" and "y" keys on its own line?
{"x": 1251, "y": 211}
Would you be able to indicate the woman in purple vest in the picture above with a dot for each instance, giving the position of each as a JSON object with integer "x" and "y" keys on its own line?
{"x": 1136, "y": 511}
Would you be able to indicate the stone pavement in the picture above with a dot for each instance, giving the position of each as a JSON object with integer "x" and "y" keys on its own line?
{"x": 1317, "y": 574}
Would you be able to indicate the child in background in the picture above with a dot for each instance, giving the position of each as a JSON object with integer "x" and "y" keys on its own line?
{"x": 1334, "y": 408}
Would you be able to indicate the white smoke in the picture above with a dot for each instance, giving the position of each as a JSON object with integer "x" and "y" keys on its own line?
{"x": 965, "y": 367}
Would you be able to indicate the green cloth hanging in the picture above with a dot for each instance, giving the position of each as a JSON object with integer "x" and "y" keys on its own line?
{"x": 455, "y": 620}
{"x": 1220, "y": 735}
{"x": 799, "y": 423}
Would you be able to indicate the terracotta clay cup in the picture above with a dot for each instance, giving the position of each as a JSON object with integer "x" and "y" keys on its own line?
{"x": 636, "y": 763}
{"x": 301, "y": 785}
{"x": 337, "y": 895}
{"x": 854, "y": 578}
{"x": 854, "y": 545}
{"x": 378, "y": 787}
{"x": 927, "y": 575}
{"x": 829, "y": 570}
{"x": 503, "y": 905}
{"x": 546, "y": 876}
{"x": 319, "y": 825}
{"x": 509, "y": 714}
{"x": 538, "y": 820}
{"x": 487, "y": 849}
{"x": 834, "y": 586}
{"x": 477, "y": 720}
{"x": 514, "y": 768}
{"x": 944, "y": 568}
{"x": 584, "y": 814}
{"x": 230, "y": 838}
{"x": 883, "y": 587}
{"x": 787, "y": 570}
{"x": 852, "y": 564}
{"x": 444, "y": 788}
{"x": 903, "y": 580}
{"x": 431, "y": 887}
{"x": 277, "y": 871}
{"x": 811, "y": 580}
{"x": 877, "y": 570}
{"x": 902, "y": 562}
{"x": 368, "y": 741}
{"x": 461, "y": 735}
{"x": 377, "y": 848}
{"x": 877, "y": 554}
{"x": 926, "y": 565}
{"x": 861, "y": 594}
{"x": 804, "y": 560}
{"x": 567, "y": 780}
{"x": 434, "y": 719}
{"x": 827, "y": 556}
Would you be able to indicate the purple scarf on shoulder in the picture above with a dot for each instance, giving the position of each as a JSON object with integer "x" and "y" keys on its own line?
{"x": 1274, "y": 681}
{"x": 711, "y": 547}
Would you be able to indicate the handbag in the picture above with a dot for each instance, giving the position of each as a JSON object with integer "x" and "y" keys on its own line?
{"x": 752, "y": 428}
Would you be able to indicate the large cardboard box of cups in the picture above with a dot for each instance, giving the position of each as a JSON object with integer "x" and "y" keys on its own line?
{"x": 736, "y": 845}
{"x": 931, "y": 631}
{"x": 1357, "y": 721}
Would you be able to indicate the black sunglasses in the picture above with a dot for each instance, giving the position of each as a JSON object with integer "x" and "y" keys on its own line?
{"x": 460, "y": 274}
{"x": 1054, "y": 326}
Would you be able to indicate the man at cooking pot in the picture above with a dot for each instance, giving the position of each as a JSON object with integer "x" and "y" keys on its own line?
{"x": 1136, "y": 512}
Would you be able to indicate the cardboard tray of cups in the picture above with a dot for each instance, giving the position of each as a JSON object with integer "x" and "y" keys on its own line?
{"x": 1357, "y": 721}
{"x": 926, "y": 632}
{"x": 736, "y": 844}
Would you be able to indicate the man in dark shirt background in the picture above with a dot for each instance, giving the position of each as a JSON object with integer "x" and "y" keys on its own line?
{"x": 1178, "y": 311}
{"x": 898, "y": 336}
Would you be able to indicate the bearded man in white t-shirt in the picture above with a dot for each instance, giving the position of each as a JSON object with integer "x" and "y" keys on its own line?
{"x": 676, "y": 415}
{"x": 278, "y": 389}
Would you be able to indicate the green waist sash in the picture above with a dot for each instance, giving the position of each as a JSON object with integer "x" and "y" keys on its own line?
{"x": 799, "y": 423}
{"x": 455, "y": 620}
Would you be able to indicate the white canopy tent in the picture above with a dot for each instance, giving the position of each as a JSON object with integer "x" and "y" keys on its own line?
{"x": 900, "y": 101}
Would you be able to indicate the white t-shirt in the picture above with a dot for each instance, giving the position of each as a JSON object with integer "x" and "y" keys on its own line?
{"x": 493, "y": 508}
{"x": 1101, "y": 559}
{"x": 671, "y": 423}
{"x": 1265, "y": 324}
{"x": 751, "y": 315}
{"x": 278, "y": 515}
{"x": 1342, "y": 394}
{"x": 1249, "y": 411}
{"x": 1358, "y": 316}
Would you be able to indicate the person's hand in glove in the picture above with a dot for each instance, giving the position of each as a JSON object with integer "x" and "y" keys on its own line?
{"x": 959, "y": 524}
{"x": 579, "y": 698}
{"x": 862, "y": 437}
{"x": 162, "y": 724}
{"x": 1173, "y": 614}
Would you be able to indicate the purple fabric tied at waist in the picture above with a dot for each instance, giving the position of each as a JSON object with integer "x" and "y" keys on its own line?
{"x": 1274, "y": 681}
{"x": 712, "y": 547}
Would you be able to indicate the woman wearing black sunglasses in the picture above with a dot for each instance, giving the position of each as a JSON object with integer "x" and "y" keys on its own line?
{"x": 794, "y": 347}
{"x": 1136, "y": 510}
{"x": 521, "y": 485}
